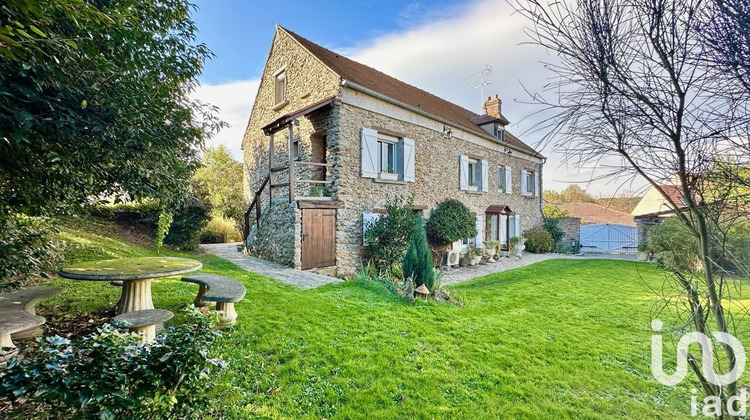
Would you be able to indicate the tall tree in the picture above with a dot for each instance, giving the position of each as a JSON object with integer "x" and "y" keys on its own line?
{"x": 632, "y": 86}
{"x": 727, "y": 33}
{"x": 94, "y": 100}
{"x": 221, "y": 176}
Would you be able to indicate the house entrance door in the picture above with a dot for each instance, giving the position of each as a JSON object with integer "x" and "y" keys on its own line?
{"x": 318, "y": 238}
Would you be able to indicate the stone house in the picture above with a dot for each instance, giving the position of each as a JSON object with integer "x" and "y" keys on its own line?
{"x": 352, "y": 136}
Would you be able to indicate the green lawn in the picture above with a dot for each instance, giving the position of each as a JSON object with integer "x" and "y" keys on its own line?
{"x": 558, "y": 339}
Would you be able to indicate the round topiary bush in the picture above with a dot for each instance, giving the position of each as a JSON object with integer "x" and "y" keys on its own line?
{"x": 538, "y": 240}
{"x": 450, "y": 221}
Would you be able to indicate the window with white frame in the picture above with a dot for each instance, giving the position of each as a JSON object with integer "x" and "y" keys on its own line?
{"x": 503, "y": 179}
{"x": 385, "y": 157}
{"x": 476, "y": 241}
{"x": 473, "y": 174}
{"x": 388, "y": 162}
{"x": 500, "y": 132}
{"x": 280, "y": 85}
{"x": 529, "y": 183}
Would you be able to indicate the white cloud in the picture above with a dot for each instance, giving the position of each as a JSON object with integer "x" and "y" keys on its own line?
{"x": 235, "y": 100}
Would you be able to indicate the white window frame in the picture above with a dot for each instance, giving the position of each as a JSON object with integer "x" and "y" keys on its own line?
{"x": 372, "y": 159}
{"x": 385, "y": 142}
{"x": 476, "y": 240}
{"x": 280, "y": 85}
{"x": 474, "y": 171}
{"x": 504, "y": 178}
{"x": 529, "y": 183}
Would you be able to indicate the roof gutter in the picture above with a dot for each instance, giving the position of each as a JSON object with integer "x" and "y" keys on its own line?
{"x": 370, "y": 92}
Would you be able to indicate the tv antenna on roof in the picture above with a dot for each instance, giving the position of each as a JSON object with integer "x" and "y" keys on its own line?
{"x": 482, "y": 83}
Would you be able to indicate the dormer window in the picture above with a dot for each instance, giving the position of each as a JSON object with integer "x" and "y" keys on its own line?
{"x": 500, "y": 132}
{"x": 280, "y": 85}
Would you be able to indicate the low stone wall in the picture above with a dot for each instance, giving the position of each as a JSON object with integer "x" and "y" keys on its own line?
{"x": 572, "y": 228}
{"x": 275, "y": 239}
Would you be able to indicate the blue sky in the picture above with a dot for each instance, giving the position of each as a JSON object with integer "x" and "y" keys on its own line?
{"x": 240, "y": 32}
{"x": 433, "y": 45}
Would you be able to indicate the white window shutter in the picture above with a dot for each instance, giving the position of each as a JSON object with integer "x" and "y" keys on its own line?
{"x": 367, "y": 220}
{"x": 523, "y": 183}
{"x": 485, "y": 175}
{"x": 480, "y": 231}
{"x": 463, "y": 173}
{"x": 503, "y": 229}
{"x": 518, "y": 226}
{"x": 407, "y": 151}
{"x": 536, "y": 184}
{"x": 508, "y": 187}
{"x": 369, "y": 153}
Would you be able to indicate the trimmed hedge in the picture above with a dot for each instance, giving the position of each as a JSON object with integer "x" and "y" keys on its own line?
{"x": 450, "y": 221}
{"x": 538, "y": 240}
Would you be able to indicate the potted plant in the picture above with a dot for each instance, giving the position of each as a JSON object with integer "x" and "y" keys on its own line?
{"x": 515, "y": 246}
{"x": 643, "y": 253}
{"x": 472, "y": 185}
{"x": 490, "y": 248}
{"x": 477, "y": 256}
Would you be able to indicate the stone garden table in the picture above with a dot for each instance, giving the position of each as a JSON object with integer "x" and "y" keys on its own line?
{"x": 135, "y": 273}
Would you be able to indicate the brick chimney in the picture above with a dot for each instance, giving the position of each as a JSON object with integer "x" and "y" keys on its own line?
{"x": 493, "y": 106}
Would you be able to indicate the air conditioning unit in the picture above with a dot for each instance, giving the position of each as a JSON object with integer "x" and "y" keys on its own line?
{"x": 451, "y": 258}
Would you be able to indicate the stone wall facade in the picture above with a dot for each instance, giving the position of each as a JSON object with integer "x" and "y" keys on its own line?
{"x": 275, "y": 240}
{"x": 307, "y": 81}
{"x": 437, "y": 157}
{"x": 572, "y": 228}
{"x": 436, "y": 171}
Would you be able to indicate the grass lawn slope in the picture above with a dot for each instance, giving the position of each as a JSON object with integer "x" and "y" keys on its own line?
{"x": 558, "y": 339}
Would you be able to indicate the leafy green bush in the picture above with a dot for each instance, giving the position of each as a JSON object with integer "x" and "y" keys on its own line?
{"x": 142, "y": 213}
{"x": 538, "y": 240}
{"x": 551, "y": 226}
{"x": 190, "y": 220}
{"x": 551, "y": 211}
{"x": 162, "y": 227}
{"x": 418, "y": 258}
{"x": 388, "y": 238}
{"x": 674, "y": 246}
{"x": 450, "y": 221}
{"x": 28, "y": 246}
{"x": 108, "y": 375}
{"x": 738, "y": 248}
{"x": 219, "y": 230}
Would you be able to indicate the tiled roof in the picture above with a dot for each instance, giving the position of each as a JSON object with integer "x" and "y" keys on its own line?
{"x": 591, "y": 213}
{"x": 391, "y": 87}
{"x": 675, "y": 195}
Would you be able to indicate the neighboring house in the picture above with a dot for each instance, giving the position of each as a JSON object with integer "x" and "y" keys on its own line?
{"x": 358, "y": 136}
{"x": 653, "y": 207}
{"x": 592, "y": 213}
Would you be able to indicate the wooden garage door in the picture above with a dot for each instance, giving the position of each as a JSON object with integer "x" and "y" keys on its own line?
{"x": 318, "y": 238}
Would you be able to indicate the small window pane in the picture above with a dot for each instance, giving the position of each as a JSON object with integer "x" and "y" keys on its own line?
{"x": 280, "y": 87}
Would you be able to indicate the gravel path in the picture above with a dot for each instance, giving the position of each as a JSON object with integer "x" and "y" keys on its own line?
{"x": 460, "y": 275}
{"x": 309, "y": 280}
{"x": 298, "y": 278}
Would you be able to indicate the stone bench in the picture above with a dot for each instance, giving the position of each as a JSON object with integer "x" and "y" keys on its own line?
{"x": 26, "y": 300}
{"x": 13, "y": 322}
{"x": 144, "y": 322}
{"x": 18, "y": 318}
{"x": 222, "y": 290}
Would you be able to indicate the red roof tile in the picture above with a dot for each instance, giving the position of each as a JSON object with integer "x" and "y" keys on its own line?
{"x": 591, "y": 213}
